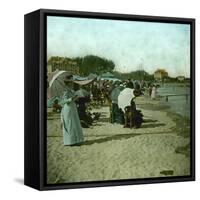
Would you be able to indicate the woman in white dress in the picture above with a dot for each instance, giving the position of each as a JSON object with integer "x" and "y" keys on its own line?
{"x": 153, "y": 92}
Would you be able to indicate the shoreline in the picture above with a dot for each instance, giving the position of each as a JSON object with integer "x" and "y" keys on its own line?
{"x": 110, "y": 152}
{"x": 182, "y": 127}
{"x": 179, "y": 119}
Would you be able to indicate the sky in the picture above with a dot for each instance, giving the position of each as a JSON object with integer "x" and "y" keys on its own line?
{"x": 131, "y": 45}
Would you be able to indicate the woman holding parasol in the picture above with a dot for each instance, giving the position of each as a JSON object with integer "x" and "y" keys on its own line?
{"x": 72, "y": 131}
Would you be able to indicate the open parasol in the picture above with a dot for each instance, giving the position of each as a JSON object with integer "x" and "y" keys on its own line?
{"x": 124, "y": 98}
{"x": 56, "y": 83}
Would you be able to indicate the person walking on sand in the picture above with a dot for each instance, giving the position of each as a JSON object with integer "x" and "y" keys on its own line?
{"x": 72, "y": 131}
{"x": 153, "y": 92}
{"x": 150, "y": 90}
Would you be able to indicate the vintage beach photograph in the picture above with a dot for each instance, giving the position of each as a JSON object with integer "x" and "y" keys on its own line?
{"x": 118, "y": 99}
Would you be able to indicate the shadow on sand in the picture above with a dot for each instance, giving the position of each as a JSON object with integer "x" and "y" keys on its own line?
{"x": 96, "y": 124}
{"x": 117, "y": 137}
{"x": 104, "y": 119}
{"x": 152, "y": 125}
{"x": 113, "y": 137}
{"x": 149, "y": 120}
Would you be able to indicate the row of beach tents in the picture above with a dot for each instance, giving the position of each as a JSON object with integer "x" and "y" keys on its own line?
{"x": 56, "y": 81}
{"x": 56, "y": 87}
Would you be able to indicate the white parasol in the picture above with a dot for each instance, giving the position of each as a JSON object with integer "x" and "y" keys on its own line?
{"x": 56, "y": 83}
{"x": 124, "y": 98}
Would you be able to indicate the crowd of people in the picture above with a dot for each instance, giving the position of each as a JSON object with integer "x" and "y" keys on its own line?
{"x": 77, "y": 100}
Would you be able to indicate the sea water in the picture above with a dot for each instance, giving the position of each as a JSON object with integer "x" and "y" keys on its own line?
{"x": 178, "y": 104}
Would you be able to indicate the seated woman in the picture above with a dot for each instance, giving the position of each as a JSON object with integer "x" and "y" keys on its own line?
{"x": 133, "y": 117}
{"x": 85, "y": 118}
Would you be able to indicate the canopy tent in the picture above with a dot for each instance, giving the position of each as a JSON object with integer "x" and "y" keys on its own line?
{"x": 110, "y": 79}
{"x": 107, "y": 74}
{"x": 92, "y": 76}
{"x": 79, "y": 78}
{"x": 84, "y": 82}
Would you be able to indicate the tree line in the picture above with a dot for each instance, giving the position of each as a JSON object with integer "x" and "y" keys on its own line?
{"x": 135, "y": 75}
{"x": 94, "y": 64}
{"x": 97, "y": 65}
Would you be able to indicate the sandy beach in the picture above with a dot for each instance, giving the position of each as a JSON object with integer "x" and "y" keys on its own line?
{"x": 110, "y": 152}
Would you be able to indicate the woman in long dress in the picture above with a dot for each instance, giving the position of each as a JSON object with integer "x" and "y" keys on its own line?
{"x": 153, "y": 92}
{"x": 72, "y": 131}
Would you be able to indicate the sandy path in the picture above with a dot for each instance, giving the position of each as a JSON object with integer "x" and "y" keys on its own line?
{"x": 113, "y": 152}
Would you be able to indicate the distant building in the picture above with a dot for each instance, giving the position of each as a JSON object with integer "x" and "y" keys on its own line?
{"x": 180, "y": 78}
{"x": 63, "y": 63}
{"x": 160, "y": 74}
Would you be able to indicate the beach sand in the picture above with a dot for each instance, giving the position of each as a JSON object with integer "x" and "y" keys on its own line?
{"x": 159, "y": 148}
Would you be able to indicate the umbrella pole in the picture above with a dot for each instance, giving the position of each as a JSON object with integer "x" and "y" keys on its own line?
{"x": 131, "y": 118}
{"x": 126, "y": 119}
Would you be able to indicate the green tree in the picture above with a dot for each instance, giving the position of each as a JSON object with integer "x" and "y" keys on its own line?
{"x": 94, "y": 64}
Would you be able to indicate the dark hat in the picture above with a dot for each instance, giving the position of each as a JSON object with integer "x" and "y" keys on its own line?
{"x": 136, "y": 92}
{"x": 68, "y": 78}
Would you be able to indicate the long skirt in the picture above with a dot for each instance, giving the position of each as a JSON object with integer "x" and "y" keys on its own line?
{"x": 117, "y": 114}
{"x": 153, "y": 94}
{"x": 72, "y": 130}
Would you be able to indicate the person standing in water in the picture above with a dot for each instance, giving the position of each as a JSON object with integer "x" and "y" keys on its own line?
{"x": 72, "y": 130}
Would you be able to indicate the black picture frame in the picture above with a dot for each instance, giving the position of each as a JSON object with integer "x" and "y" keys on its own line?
{"x": 35, "y": 74}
